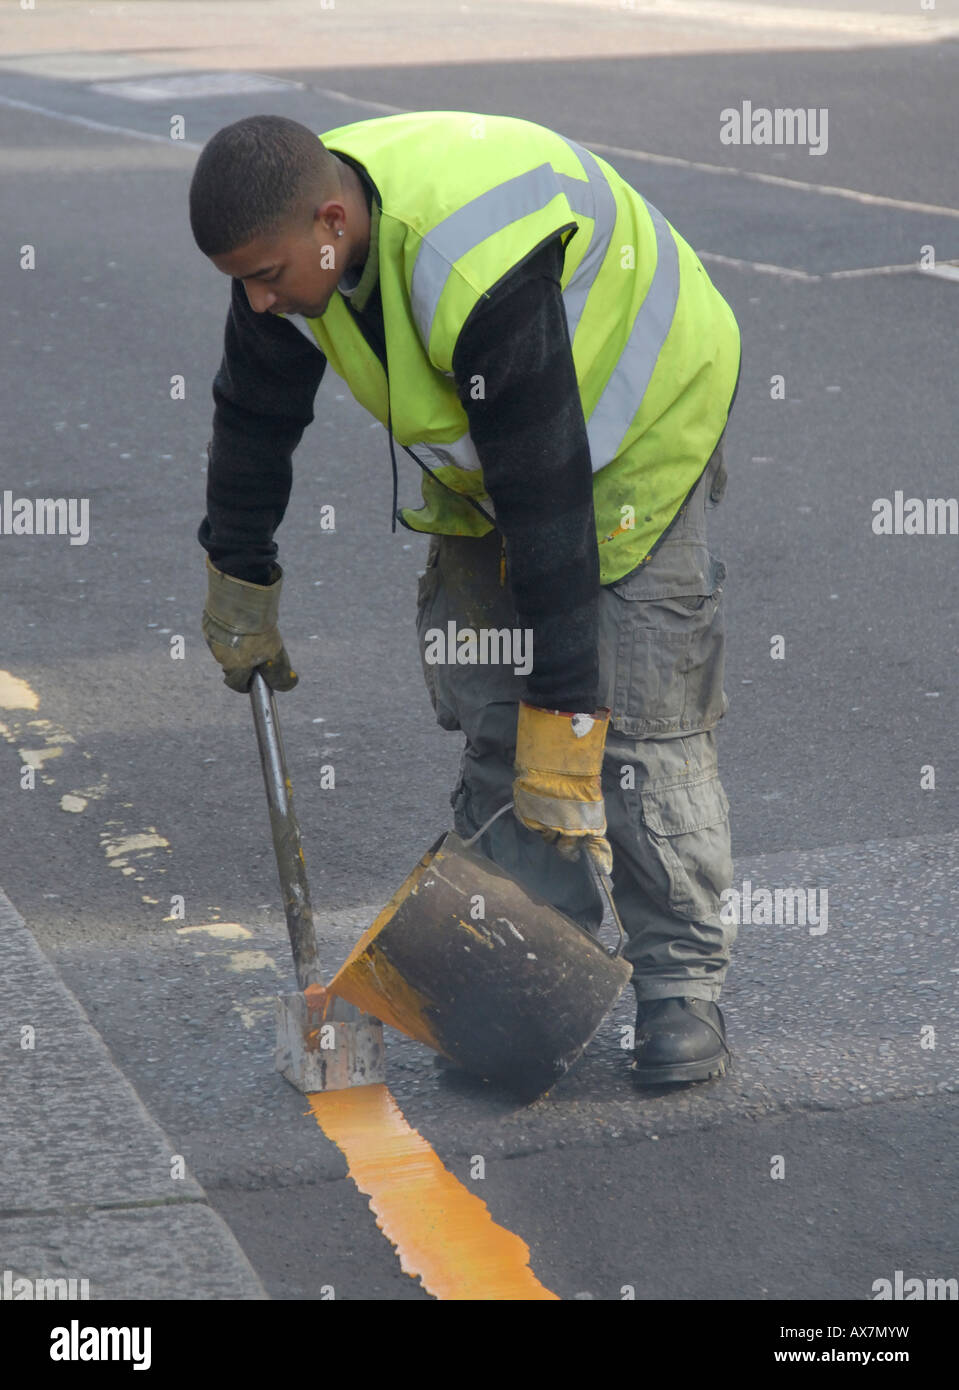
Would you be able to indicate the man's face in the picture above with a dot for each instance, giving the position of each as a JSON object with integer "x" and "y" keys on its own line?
{"x": 292, "y": 272}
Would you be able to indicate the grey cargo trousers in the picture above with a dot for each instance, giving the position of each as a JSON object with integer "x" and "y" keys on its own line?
{"x": 661, "y": 649}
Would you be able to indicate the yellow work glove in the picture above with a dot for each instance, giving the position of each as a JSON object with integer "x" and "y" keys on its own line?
{"x": 558, "y": 788}
{"x": 240, "y": 627}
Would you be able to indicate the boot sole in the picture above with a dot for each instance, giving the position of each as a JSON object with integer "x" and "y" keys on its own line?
{"x": 681, "y": 1071}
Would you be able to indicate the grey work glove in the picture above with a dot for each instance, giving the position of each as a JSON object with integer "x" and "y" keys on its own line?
{"x": 240, "y": 627}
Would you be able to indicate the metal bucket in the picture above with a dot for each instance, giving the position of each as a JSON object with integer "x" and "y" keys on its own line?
{"x": 464, "y": 959}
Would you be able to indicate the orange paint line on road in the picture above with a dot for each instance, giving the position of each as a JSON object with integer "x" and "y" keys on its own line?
{"x": 443, "y": 1233}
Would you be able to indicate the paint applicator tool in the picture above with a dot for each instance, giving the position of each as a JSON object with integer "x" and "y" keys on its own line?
{"x": 323, "y": 1043}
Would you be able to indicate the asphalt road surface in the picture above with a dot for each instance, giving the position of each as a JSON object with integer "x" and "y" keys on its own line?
{"x": 148, "y": 787}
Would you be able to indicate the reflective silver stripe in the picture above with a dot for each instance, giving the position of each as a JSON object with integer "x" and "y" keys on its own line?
{"x": 624, "y": 391}
{"x": 460, "y": 453}
{"x": 481, "y": 217}
{"x": 594, "y": 200}
{"x": 580, "y": 193}
{"x": 466, "y": 228}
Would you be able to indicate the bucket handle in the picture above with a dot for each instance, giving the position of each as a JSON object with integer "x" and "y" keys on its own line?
{"x": 603, "y": 880}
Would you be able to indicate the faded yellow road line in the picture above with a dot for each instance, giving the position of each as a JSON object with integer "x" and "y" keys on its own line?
{"x": 61, "y": 754}
{"x": 15, "y": 693}
{"x": 443, "y": 1233}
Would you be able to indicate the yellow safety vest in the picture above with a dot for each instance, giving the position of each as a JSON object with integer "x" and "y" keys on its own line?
{"x": 465, "y": 198}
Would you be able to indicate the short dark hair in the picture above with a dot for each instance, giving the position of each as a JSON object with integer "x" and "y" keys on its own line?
{"x": 255, "y": 178}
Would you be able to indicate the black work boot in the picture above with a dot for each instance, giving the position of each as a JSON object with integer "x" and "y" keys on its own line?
{"x": 678, "y": 1039}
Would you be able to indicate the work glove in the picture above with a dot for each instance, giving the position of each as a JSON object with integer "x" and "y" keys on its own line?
{"x": 558, "y": 789}
{"x": 239, "y": 624}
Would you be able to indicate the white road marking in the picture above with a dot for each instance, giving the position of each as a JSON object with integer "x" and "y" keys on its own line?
{"x": 912, "y": 268}
{"x": 945, "y": 270}
{"x": 776, "y": 180}
{"x": 99, "y": 125}
{"x": 760, "y": 266}
{"x": 361, "y": 101}
{"x": 826, "y": 190}
{"x": 193, "y": 84}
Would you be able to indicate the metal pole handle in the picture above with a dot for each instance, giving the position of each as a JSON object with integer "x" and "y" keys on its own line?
{"x": 290, "y": 863}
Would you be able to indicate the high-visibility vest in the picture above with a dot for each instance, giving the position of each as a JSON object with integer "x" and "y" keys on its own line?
{"x": 465, "y": 199}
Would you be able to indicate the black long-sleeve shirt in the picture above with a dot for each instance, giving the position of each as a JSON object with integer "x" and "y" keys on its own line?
{"x": 528, "y": 430}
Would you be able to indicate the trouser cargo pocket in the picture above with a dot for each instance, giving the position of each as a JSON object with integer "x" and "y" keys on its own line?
{"x": 669, "y": 828}
{"x": 688, "y": 830}
{"x": 662, "y": 644}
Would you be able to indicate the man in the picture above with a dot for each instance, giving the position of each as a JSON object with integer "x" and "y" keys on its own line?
{"x": 554, "y": 357}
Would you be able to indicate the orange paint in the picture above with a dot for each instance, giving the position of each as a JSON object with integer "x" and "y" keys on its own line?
{"x": 369, "y": 981}
{"x": 374, "y": 986}
{"x": 442, "y": 1232}
{"x": 317, "y": 1003}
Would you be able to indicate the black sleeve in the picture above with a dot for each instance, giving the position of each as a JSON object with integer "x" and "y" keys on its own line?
{"x": 263, "y": 395}
{"x": 530, "y": 435}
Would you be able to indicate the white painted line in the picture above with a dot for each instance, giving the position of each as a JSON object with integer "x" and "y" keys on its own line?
{"x": 165, "y": 139}
{"x": 911, "y": 269}
{"x": 776, "y": 180}
{"x": 799, "y": 185}
{"x": 193, "y": 84}
{"x": 944, "y": 272}
{"x": 784, "y": 272}
{"x": 100, "y": 125}
{"x": 361, "y": 101}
